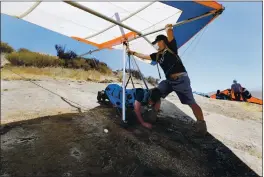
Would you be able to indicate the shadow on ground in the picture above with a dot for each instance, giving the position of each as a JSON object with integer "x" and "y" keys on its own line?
{"x": 76, "y": 145}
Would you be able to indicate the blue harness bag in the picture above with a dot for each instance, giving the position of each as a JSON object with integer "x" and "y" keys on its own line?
{"x": 114, "y": 95}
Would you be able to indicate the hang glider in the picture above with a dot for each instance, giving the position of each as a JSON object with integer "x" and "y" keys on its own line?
{"x": 251, "y": 100}
{"x": 94, "y": 23}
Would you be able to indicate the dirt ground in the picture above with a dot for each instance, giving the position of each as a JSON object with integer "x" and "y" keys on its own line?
{"x": 76, "y": 145}
{"x": 42, "y": 135}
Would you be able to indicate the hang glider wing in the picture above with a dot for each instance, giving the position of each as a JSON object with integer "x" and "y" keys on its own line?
{"x": 140, "y": 17}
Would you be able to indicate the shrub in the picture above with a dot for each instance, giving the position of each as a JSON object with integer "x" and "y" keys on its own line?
{"x": 33, "y": 59}
{"x": 23, "y": 50}
{"x": 25, "y": 57}
{"x": 5, "y": 48}
{"x": 135, "y": 73}
{"x": 104, "y": 69}
{"x": 152, "y": 80}
{"x": 62, "y": 54}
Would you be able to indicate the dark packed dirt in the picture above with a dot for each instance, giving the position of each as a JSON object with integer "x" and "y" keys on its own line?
{"x": 76, "y": 145}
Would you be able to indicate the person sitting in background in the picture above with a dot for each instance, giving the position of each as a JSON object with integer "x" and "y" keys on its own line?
{"x": 246, "y": 94}
{"x": 236, "y": 89}
{"x": 220, "y": 96}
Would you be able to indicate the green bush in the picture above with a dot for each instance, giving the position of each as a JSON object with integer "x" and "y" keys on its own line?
{"x": 104, "y": 69}
{"x": 134, "y": 73}
{"x": 25, "y": 57}
{"x": 5, "y": 48}
{"x": 23, "y": 50}
{"x": 152, "y": 80}
{"x": 33, "y": 59}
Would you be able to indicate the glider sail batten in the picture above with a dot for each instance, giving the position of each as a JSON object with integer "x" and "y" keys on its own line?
{"x": 141, "y": 17}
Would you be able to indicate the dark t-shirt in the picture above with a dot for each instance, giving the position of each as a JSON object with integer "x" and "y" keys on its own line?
{"x": 169, "y": 62}
{"x": 140, "y": 96}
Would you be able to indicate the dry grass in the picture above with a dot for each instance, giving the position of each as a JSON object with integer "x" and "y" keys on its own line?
{"x": 54, "y": 73}
{"x": 252, "y": 107}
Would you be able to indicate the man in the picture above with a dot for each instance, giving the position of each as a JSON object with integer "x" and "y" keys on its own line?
{"x": 236, "y": 89}
{"x": 149, "y": 98}
{"x": 246, "y": 94}
{"x": 176, "y": 75}
{"x": 219, "y": 95}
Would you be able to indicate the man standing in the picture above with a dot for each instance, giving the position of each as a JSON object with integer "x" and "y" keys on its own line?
{"x": 177, "y": 78}
{"x": 236, "y": 89}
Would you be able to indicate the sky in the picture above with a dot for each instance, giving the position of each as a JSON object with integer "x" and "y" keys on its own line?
{"x": 228, "y": 48}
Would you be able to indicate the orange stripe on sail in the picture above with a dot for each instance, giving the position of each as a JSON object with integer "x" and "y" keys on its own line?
{"x": 118, "y": 40}
{"x": 108, "y": 44}
{"x": 86, "y": 41}
{"x": 211, "y": 4}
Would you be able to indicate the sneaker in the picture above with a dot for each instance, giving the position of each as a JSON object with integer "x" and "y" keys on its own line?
{"x": 201, "y": 127}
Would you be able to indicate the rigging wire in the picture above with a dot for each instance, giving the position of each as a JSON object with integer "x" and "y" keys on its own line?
{"x": 196, "y": 37}
{"x": 200, "y": 38}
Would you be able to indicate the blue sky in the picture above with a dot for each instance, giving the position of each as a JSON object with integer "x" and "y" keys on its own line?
{"x": 229, "y": 48}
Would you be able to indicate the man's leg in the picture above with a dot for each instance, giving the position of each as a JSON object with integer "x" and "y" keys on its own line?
{"x": 157, "y": 106}
{"x": 239, "y": 96}
{"x": 183, "y": 89}
{"x": 165, "y": 89}
{"x": 197, "y": 111}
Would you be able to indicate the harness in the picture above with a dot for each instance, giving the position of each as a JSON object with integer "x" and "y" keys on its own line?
{"x": 114, "y": 95}
{"x": 163, "y": 53}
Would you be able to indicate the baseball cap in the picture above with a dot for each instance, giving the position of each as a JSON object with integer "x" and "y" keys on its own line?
{"x": 159, "y": 38}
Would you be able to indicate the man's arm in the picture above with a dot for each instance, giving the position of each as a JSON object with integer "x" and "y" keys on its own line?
{"x": 169, "y": 31}
{"x": 137, "y": 107}
{"x": 139, "y": 55}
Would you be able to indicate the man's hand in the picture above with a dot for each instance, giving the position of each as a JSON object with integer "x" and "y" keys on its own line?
{"x": 168, "y": 26}
{"x": 130, "y": 52}
{"x": 146, "y": 125}
{"x": 169, "y": 32}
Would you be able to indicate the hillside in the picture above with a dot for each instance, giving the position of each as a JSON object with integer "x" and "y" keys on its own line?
{"x": 65, "y": 137}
